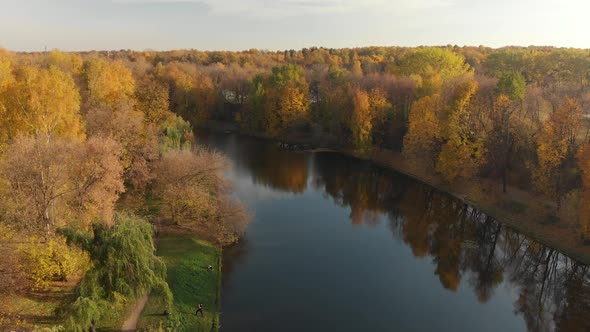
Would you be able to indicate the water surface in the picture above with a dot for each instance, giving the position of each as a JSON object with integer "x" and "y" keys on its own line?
{"x": 339, "y": 244}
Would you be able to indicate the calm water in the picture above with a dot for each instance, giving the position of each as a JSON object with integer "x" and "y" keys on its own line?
{"x": 339, "y": 244}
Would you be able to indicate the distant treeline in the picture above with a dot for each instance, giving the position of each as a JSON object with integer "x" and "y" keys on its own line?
{"x": 519, "y": 115}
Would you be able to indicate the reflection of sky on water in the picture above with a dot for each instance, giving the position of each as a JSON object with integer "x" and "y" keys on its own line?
{"x": 372, "y": 250}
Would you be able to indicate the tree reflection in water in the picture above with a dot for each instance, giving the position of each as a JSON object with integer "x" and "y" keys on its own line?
{"x": 554, "y": 290}
{"x": 464, "y": 243}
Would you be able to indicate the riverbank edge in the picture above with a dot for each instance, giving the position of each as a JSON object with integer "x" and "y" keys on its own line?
{"x": 144, "y": 322}
{"x": 530, "y": 223}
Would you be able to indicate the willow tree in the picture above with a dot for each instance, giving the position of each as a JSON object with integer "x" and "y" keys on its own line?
{"x": 124, "y": 268}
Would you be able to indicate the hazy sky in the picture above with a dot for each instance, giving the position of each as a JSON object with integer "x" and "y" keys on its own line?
{"x": 285, "y": 24}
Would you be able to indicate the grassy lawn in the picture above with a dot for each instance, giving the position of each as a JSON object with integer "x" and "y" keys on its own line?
{"x": 191, "y": 283}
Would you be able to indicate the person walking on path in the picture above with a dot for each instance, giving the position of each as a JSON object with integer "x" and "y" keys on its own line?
{"x": 199, "y": 310}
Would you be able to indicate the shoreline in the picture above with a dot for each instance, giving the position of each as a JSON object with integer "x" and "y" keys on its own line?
{"x": 186, "y": 256}
{"x": 525, "y": 212}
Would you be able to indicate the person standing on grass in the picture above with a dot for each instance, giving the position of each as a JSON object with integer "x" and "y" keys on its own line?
{"x": 199, "y": 310}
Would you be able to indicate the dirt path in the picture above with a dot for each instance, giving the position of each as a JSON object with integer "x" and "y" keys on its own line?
{"x": 130, "y": 323}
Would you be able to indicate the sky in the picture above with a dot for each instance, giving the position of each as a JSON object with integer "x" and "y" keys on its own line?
{"x": 32, "y": 25}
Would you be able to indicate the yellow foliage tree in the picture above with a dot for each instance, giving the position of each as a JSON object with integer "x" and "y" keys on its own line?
{"x": 53, "y": 260}
{"x": 361, "y": 120}
{"x": 381, "y": 114}
{"x": 6, "y": 81}
{"x": 463, "y": 152}
{"x": 45, "y": 102}
{"x": 423, "y": 139}
{"x": 67, "y": 62}
{"x": 109, "y": 83}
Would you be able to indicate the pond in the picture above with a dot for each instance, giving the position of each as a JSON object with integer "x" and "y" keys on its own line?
{"x": 340, "y": 244}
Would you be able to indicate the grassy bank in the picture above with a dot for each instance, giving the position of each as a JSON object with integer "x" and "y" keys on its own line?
{"x": 187, "y": 258}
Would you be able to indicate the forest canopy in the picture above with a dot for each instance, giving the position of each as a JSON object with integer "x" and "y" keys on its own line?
{"x": 81, "y": 132}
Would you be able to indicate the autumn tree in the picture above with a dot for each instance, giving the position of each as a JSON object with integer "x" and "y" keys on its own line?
{"x": 434, "y": 66}
{"x": 137, "y": 138}
{"x": 70, "y": 63}
{"x": 423, "y": 141}
{"x": 501, "y": 139}
{"x": 463, "y": 151}
{"x": 361, "y": 120}
{"x": 153, "y": 100}
{"x": 6, "y": 82}
{"x": 279, "y": 100}
{"x": 382, "y": 116}
{"x": 44, "y": 102}
{"x": 109, "y": 83}
{"x": 193, "y": 189}
{"x": 49, "y": 184}
{"x": 555, "y": 148}
{"x": 192, "y": 95}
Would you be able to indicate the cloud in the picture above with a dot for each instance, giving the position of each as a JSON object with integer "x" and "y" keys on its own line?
{"x": 285, "y": 8}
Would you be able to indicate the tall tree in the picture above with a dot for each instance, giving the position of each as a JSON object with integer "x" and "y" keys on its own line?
{"x": 423, "y": 141}
{"x": 361, "y": 123}
{"x": 153, "y": 100}
{"x": 510, "y": 92}
{"x": 462, "y": 154}
{"x": 555, "y": 148}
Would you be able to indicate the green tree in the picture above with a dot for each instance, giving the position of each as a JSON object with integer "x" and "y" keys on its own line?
{"x": 124, "y": 268}
{"x": 435, "y": 66}
{"x": 512, "y": 85}
{"x": 279, "y": 100}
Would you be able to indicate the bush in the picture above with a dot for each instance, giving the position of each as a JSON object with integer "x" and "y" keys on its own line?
{"x": 53, "y": 260}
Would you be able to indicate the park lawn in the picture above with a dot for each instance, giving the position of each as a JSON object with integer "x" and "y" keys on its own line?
{"x": 187, "y": 258}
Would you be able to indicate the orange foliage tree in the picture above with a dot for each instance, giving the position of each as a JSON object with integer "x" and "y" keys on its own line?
{"x": 555, "y": 146}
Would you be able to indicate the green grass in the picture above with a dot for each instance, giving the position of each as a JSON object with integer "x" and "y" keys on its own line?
{"x": 191, "y": 283}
